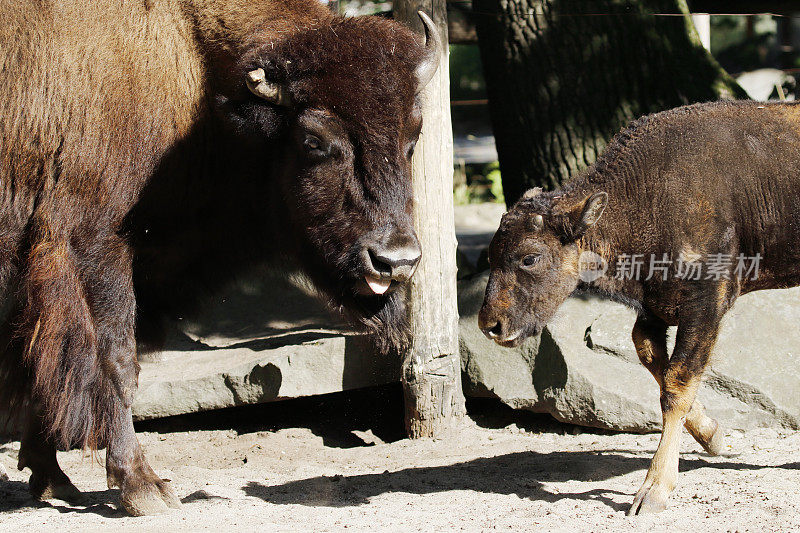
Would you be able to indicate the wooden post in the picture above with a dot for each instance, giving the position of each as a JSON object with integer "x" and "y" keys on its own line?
{"x": 432, "y": 367}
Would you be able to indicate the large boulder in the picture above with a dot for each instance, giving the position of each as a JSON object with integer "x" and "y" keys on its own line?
{"x": 583, "y": 368}
{"x": 267, "y": 338}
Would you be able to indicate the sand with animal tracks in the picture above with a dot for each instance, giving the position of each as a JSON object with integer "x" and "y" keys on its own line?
{"x": 326, "y": 467}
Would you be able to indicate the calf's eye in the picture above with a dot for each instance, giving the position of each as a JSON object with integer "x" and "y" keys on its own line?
{"x": 530, "y": 260}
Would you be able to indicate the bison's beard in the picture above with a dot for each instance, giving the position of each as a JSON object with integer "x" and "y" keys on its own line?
{"x": 386, "y": 318}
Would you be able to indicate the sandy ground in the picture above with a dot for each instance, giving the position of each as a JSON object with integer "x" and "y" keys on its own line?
{"x": 324, "y": 465}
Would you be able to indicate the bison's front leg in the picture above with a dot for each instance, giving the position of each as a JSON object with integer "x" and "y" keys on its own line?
{"x": 650, "y": 339}
{"x": 681, "y": 378}
{"x": 142, "y": 491}
{"x": 78, "y": 325}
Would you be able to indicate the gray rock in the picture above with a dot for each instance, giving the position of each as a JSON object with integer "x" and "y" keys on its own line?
{"x": 186, "y": 381}
{"x": 265, "y": 339}
{"x": 583, "y": 369}
{"x": 475, "y": 226}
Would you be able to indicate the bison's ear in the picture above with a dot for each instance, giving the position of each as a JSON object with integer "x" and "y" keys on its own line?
{"x": 270, "y": 91}
{"x": 585, "y": 213}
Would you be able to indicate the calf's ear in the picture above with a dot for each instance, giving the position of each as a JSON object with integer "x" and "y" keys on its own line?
{"x": 584, "y": 214}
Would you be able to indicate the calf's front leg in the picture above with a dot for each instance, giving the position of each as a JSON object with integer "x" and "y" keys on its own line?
{"x": 680, "y": 379}
{"x": 650, "y": 339}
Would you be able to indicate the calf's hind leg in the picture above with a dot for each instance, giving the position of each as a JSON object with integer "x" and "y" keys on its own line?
{"x": 650, "y": 339}
{"x": 680, "y": 379}
{"x": 38, "y": 453}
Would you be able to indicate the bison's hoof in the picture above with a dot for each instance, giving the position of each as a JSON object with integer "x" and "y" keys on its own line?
{"x": 148, "y": 497}
{"x": 709, "y": 436}
{"x": 651, "y": 498}
{"x": 44, "y": 488}
{"x": 715, "y": 444}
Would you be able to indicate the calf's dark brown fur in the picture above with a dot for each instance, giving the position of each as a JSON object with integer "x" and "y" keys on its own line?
{"x": 706, "y": 184}
{"x": 151, "y": 148}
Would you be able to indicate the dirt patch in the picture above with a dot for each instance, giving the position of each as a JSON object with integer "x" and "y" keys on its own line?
{"x": 339, "y": 462}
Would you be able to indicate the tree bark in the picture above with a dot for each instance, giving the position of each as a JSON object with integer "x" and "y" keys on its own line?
{"x": 432, "y": 367}
{"x": 563, "y": 76}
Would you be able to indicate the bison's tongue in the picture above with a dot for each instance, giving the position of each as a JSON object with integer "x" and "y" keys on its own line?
{"x": 378, "y": 286}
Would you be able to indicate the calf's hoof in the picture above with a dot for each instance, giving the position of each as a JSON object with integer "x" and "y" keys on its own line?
{"x": 148, "y": 497}
{"x": 651, "y": 498}
{"x": 710, "y": 438}
{"x": 714, "y": 444}
{"x": 43, "y": 487}
{"x": 708, "y": 434}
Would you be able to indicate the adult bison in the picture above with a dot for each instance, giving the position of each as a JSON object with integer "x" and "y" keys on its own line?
{"x": 163, "y": 145}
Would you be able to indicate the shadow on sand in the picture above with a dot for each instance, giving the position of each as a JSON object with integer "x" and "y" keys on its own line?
{"x": 520, "y": 473}
{"x": 335, "y": 417}
{"x": 14, "y": 496}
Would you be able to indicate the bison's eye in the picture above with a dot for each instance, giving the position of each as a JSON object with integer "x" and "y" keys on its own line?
{"x": 530, "y": 260}
{"x": 411, "y": 146}
{"x": 316, "y": 147}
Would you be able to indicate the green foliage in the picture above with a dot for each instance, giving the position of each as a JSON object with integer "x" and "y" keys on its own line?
{"x": 466, "y": 72}
{"x": 496, "y": 188}
{"x": 461, "y": 195}
{"x": 482, "y": 184}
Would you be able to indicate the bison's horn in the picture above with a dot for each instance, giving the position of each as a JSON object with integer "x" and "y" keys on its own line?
{"x": 536, "y": 222}
{"x": 532, "y": 193}
{"x": 433, "y": 52}
{"x": 271, "y": 92}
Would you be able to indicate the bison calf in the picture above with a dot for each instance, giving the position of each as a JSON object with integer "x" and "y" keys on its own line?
{"x": 683, "y": 212}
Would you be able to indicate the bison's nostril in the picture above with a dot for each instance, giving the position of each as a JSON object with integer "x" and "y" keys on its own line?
{"x": 381, "y": 267}
{"x": 495, "y": 331}
{"x": 398, "y": 263}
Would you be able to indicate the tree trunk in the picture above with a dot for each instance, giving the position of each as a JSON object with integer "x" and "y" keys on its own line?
{"x": 563, "y": 76}
{"x": 432, "y": 367}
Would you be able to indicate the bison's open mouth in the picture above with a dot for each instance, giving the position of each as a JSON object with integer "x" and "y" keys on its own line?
{"x": 377, "y": 285}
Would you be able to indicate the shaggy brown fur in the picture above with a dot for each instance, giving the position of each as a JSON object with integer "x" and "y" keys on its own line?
{"x": 132, "y": 154}
{"x": 697, "y": 183}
